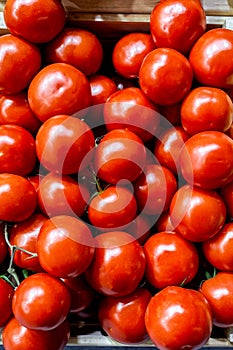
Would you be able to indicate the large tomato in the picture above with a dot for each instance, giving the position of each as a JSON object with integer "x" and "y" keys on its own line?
{"x": 6, "y": 295}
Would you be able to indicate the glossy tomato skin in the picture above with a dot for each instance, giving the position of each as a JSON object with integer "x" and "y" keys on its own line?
{"x": 34, "y": 22}
{"x": 214, "y": 51}
{"x": 206, "y": 160}
{"x": 101, "y": 88}
{"x": 165, "y": 76}
{"x": 41, "y": 302}
{"x": 78, "y": 47}
{"x": 206, "y": 108}
{"x": 218, "y": 291}
{"x": 17, "y": 55}
{"x": 129, "y": 52}
{"x": 17, "y": 337}
{"x": 170, "y": 260}
{"x": 164, "y": 222}
{"x": 178, "y": 318}
{"x": 6, "y": 295}
{"x": 197, "y": 214}
{"x": 122, "y": 318}
{"x": 227, "y": 194}
{"x": 17, "y": 196}
{"x": 140, "y": 227}
{"x": 113, "y": 270}
{"x": 177, "y": 24}
{"x": 58, "y": 88}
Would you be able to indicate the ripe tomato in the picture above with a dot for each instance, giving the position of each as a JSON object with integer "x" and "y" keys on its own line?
{"x": 6, "y": 295}
{"x": 165, "y": 76}
{"x": 178, "y": 318}
{"x": 17, "y": 197}
{"x": 118, "y": 265}
{"x": 58, "y": 88}
{"x": 218, "y": 290}
{"x": 34, "y": 22}
{"x": 140, "y": 227}
{"x": 210, "y": 58}
{"x": 101, "y": 88}
{"x": 17, "y": 55}
{"x": 170, "y": 260}
{"x": 65, "y": 246}
{"x": 129, "y": 52}
{"x": 122, "y": 318}
{"x": 3, "y": 244}
{"x": 227, "y": 194}
{"x": 63, "y": 144}
{"x": 206, "y": 159}
{"x": 197, "y": 214}
{"x": 78, "y": 47}
{"x": 41, "y": 302}
{"x": 206, "y": 108}
{"x": 177, "y": 24}
{"x": 164, "y": 222}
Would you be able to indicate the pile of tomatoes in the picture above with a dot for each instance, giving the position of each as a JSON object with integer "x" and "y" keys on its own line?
{"x": 116, "y": 178}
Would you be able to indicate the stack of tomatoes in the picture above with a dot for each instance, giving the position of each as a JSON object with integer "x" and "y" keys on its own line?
{"x": 116, "y": 178}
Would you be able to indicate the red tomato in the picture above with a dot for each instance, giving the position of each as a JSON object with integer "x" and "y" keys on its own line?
{"x": 24, "y": 235}
{"x": 35, "y": 180}
{"x": 206, "y": 159}
{"x": 14, "y": 109}
{"x": 179, "y": 318}
{"x": 164, "y": 222}
{"x": 34, "y": 22}
{"x": 65, "y": 246}
{"x": 63, "y": 144}
{"x": 154, "y": 189}
{"x": 122, "y": 318}
{"x": 17, "y": 150}
{"x": 197, "y": 214}
{"x": 58, "y": 88}
{"x": 218, "y": 290}
{"x": 206, "y": 108}
{"x": 227, "y": 194}
{"x": 41, "y": 302}
{"x": 120, "y": 155}
{"x": 17, "y": 197}
{"x": 170, "y": 260}
{"x": 218, "y": 249}
{"x": 177, "y": 24}
{"x": 6, "y": 295}
{"x": 130, "y": 108}
{"x": 17, "y": 337}
{"x": 101, "y": 88}
{"x": 165, "y": 76}
{"x": 17, "y": 55}
{"x": 113, "y": 208}
{"x": 140, "y": 227}
{"x": 129, "y": 52}
{"x": 118, "y": 265}
{"x": 78, "y": 47}
{"x": 3, "y": 244}
{"x": 210, "y": 58}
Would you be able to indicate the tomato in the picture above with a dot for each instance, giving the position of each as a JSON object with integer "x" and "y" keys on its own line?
{"x": 170, "y": 260}
{"x": 164, "y": 222}
{"x": 118, "y": 265}
{"x": 113, "y": 208}
{"x": 210, "y": 58}
{"x": 17, "y": 55}
{"x": 17, "y": 150}
{"x": 65, "y": 246}
{"x": 34, "y": 22}
{"x": 63, "y": 144}
{"x": 178, "y": 318}
{"x": 129, "y": 52}
{"x": 218, "y": 291}
{"x": 41, "y": 302}
{"x": 227, "y": 194}
{"x": 197, "y": 214}
{"x": 17, "y": 197}
{"x": 3, "y": 244}
{"x": 78, "y": 47}
{"x": 165, "y": 76}
{"x": 35, "y": 180}
{"x": 177, "y": 24}
{"x": 206, "y": 108}
{"x": 101, "y": 88}
{"x": 154, "y": 189}
{"x": 17, "y": 337}
{"x": 24, "y": 235}
{"x": 206, "y": 159}
{"x": 140, "y": 227}
{"x": 59, "y": 195}
{"x": 120, "y": 155}
{"x": 122, "y": 318}
{"x": 6, "y": 295}
{"x": 14, "y": 109}
{"x": 58, "y": 88}
{"x": 171, "y": 113}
